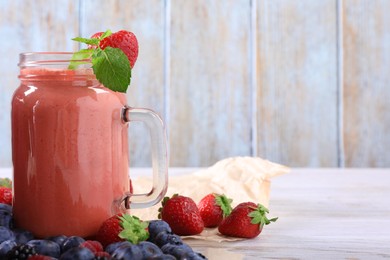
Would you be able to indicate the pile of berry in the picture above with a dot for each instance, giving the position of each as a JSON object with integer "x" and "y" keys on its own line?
{"x": 119, "y": 237}
{"x": 21, "y": 244}
{"x": 124, "y": 236}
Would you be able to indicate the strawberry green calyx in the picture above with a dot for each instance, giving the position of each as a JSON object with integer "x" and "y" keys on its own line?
{"x": 163, "y": 202}
{"x": 258, "y": 216}
{"x": 110, "y": 65}
{"x": 5, "y": 182}
{"x": 134, "y": 230}
{"x": 225, "y": 203}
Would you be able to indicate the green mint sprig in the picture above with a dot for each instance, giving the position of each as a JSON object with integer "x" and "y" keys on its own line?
{"x": 110, "y": 66}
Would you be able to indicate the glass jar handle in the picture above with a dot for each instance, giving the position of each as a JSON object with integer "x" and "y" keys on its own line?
{"x": 159, "y": 158}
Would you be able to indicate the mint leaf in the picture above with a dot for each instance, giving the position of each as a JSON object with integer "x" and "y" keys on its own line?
{"x": 80, "y": 57}
{"x": 92, "y": 41}
{"x": 105, "y": 34}
{"x": 112, "y": 68}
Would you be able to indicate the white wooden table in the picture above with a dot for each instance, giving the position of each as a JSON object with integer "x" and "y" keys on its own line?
{"x": 323, "y": 214}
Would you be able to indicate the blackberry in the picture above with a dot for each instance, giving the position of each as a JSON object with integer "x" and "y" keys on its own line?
{"x": 21, "y": 252}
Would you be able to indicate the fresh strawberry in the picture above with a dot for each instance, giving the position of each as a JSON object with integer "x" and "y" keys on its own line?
{"x": 95, "y": 36}
{"x": 213, "y": 208}
{"x": 245, "y": 221}
{"x": 94, "y": 246}
{"x": 6, "y": 195}
{"x": 124, "y": 40}
{"x": 112, "y": 56}
{"x": 121, "y": 228}
{"x": 182, "y": 215}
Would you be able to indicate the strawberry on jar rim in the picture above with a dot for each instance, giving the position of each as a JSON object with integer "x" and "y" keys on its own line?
{"x": 124, "y": 40}
{"x": 112, "y": 55}
{"x": 95, "y": 36}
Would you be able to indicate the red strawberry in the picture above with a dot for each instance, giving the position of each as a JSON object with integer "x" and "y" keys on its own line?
{"x": 124, "y": 40}
{"x": 182, "y": 215}
{"x": 95, "y": 36}
{"x": 122, "y": 227}
{"x": 92, "y": 245}
{"x": 213, "y": 208}
{"x": 246, "y": 221}
{"x": 6, "y": 195}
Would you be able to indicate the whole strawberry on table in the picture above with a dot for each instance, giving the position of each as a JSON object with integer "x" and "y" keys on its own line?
{"x": 246, "y": 220}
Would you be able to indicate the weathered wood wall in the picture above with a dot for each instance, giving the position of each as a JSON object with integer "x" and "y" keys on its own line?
{"x": 304, "y": 83}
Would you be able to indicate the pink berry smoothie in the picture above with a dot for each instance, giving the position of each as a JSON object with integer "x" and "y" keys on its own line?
{"x": 70, "y": 152}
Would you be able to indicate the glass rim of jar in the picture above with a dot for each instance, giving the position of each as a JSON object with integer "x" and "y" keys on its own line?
{"x": 50, "y": 59}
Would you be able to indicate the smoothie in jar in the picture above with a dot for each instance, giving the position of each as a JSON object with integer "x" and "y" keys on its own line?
{"x": 70, "y": 151}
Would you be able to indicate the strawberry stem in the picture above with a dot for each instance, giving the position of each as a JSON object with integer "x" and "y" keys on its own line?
{"x": 225, "y": 203}
{"x": 259, "y": 216}
{"x": 134, "y": 230}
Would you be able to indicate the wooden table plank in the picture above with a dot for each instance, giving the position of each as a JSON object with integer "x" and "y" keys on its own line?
{"x": 210, "y": 74}
{"x": 366, "y": 85}
{"x": 297, "y": 121}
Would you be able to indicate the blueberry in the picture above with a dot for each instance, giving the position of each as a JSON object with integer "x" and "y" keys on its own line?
{"x": 77, "y": 253}
{"x": 58, "y": 239}
{"x": 5, "y": 207}
{"x": 6, "y": 234}
{"x": 149, "y": 249}
{"x": 178, "y": 251}
{"x": 22, "y": 236}
{"x": 5, "y": 215}
{"x": 70, "y": 242}
{"x": 162, "y": 257}
{"x": 157, "y": 226}
{"x": 5, "y": 247}
{"x": 167, "y": 238}
{"x": 125, "y": 252}
{"x": 45, "y": 247}
{"x": 112, "y": 247}
{"x": 193, "y": 256}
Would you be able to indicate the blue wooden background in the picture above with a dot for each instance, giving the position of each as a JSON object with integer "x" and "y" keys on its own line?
{"x": 303, "y": 83}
